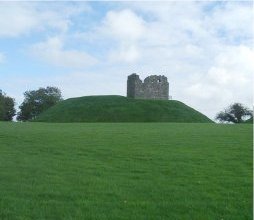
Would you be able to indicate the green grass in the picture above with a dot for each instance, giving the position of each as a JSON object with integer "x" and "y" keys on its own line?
{"x": 125, "y": 171}
{"x": 120, "y": 109}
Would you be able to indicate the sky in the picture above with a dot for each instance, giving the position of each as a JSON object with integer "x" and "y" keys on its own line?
{"x": 205, "y": 48}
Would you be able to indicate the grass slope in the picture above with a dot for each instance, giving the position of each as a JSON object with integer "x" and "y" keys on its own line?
{"x": 108, "y": 171}
{"x": 120, "y": 109}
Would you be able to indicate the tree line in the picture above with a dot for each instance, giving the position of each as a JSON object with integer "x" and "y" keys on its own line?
{"x": 7, "y": 107}
{"x": 37, "y": 101}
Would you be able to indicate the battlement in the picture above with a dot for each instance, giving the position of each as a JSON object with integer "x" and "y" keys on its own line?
{"x": 153, "y": 87}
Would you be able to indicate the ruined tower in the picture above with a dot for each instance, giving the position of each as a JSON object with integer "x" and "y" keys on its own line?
{"x": 153, "y": 87}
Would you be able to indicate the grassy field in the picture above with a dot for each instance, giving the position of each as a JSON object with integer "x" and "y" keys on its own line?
{"x": 120, "y": 109}
{"x": 125, "y": 171}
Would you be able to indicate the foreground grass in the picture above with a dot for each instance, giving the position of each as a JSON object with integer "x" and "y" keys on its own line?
{"x": 125, "y": 171}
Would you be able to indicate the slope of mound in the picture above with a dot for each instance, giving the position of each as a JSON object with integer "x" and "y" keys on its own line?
{"x": 120, "y": 109}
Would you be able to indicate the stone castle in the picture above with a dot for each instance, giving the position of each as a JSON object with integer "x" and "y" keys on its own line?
{"x": 153, "y": 87}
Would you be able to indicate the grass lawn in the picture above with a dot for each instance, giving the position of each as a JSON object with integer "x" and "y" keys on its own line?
{"x": 125, "y": 171}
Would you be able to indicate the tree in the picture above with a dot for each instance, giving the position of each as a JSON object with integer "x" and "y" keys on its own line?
{"x": 235, "y": 113}
{"x": 37, "y": 101}
{"x": 7, "y": 110}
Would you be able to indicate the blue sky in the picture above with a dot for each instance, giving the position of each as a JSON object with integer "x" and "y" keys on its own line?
{"x": 89, "y": 48}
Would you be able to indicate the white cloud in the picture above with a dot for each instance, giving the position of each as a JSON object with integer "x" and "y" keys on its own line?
{"x": 233, "y": 67}
{"x": 124, "y": 25}
{"x": 228, "y": 80}
{"x": 126, "y": 29}
{"x": 16, "y": 19}
{"x": 52, "y": 51}
{"x": 19, "y": 18}
{"x": 125, "y": 53}
{"x": 232, "y": 21}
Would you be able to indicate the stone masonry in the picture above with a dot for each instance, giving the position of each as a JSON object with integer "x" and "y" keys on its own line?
{"x": 153, "y": 87}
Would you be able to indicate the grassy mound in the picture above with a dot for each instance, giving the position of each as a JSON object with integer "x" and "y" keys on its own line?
{"x": 120, "y": 109}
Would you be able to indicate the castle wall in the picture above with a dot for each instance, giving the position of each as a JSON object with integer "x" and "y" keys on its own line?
{"x": 134, "y": 87}
{"x": 153, "y": 87}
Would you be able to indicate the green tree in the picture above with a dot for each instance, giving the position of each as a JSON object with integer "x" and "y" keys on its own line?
{"x": 235, "y": 113}
{"x": 37, "y": 101}
{"x": 7, "y": 107}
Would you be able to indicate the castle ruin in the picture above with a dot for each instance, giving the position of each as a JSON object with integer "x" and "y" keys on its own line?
{"x": 153, "y": 87}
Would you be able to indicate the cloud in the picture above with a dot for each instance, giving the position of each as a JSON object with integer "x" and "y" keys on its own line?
{"x": 124, "y": 25}
{"x": 232, "y": 21}
{"x": 232, "y": 68}
{"x": 125, "y": 53}
{"x": 16, "y": 19}
{"x": 52, "y": 51}
{"x": 22, "y": 18}
{"x": 126, "y": 29}
{"x": 228, "y": 80}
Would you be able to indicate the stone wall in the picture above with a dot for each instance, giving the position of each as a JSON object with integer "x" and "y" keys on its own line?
{"x": 153, "y": 87}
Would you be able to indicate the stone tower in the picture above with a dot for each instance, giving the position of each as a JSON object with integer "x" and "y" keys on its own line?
{"x": 153, "y": 87}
